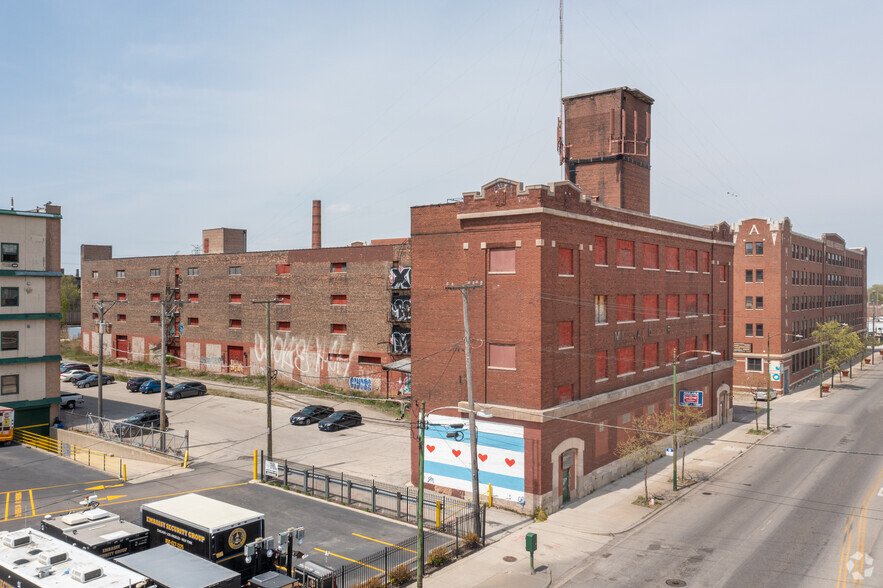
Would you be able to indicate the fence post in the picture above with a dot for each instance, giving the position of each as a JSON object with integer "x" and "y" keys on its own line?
{"x": 286, "y": 473}
{"x": 349, "y": 492}
{"x": 373, "y": 497}
{"x": 398, "y": 505}
{"x": 483, "y": 525}
{"x": 386, "y": 561}
{"x": 306, "y": 480}
{"x": 457, "y": 535}
{"x": 341, "y": 487}
{"x": 263, "y": 479}
{"x": 327, "y": 487}
{"x": 312, "y": 479}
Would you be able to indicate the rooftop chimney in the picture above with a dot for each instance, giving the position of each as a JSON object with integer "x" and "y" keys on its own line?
{"x": 317, "y": 224}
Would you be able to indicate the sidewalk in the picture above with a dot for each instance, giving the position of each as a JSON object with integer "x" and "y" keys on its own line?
{"x": 570, "y": 535}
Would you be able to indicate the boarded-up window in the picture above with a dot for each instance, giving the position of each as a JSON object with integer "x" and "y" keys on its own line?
{"x": 368, "y": 360}
{"x": 154, "y": 319}
{"x": 651, "y": 256}
{"x": 283, "y": 298}
{"x": 338, "y": 268}
{"x": 705, "y": 304}
{"x": 121, "y": 295}
{"x": 625, "y": 308}
{"x": 283, "y": 268}
{"x": 600, "y": 365}
{"x": 722, "y": 273}
{"x": 651, "y": 355}
{"x": 672, "y": 303}
{"x": 235, "y": 323}
{"x": 95, "y": 295}
{"x": 236, "y": 298}
{"x": 193, "y": 297}
{"x": 121, "y": 318}
{"x": 154, "y": 297}
{"x": 625, "y": 360}
{"x": 501, "y": 356}
{"x": 704, "y": 342}
{"x": 601, "y": 310}
{"x": 625, "y": 253}
{"x": 283, "y": 325}
{"x": 671, "y": 350}
{"x": 691, "y": 260}
{"x": 502, "y": 260}
{"x": 601, "y": 439}
{"x": 692, "y": 304}
{"x": 565, "y": 393}
{"x": 706, "y": 262}
{"x": 565, "y": 334}
{"x": 338, "y": 328}
{"x": 651, "y": 307}
{"x": 565, "y": 262}
{"x": 671, "y": 259}
{"x": 600, "y": 250}
{"x": 721, "y": 317}
{"x": 193, "y": 321}
{"x": 338, "y": 299}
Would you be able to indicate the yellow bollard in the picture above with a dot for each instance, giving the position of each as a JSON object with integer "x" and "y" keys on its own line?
{"x": 437, "y": 514}
{"x": 490, "y": 496}
{"x": 186, "y": 457}
{"x": 125, "y": 478}
{"x": 255, "y": 466}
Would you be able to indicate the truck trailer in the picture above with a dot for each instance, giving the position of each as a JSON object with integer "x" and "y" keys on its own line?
{"x": 170, "y": 567}
{"x": 103, "y": 533}
{"x": 7, "y": 422}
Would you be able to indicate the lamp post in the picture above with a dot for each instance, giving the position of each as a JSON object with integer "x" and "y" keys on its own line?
{"x": 874, "y": 329}
{"x": 674, "y": 407}
{"x": 768, "y": 382}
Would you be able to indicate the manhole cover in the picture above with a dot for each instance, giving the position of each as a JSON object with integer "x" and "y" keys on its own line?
{"x": 509, "y": 558}
{"x": 675, "y": 582}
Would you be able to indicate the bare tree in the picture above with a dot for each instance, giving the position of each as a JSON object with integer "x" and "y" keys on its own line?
{"x": 641, "y": 442}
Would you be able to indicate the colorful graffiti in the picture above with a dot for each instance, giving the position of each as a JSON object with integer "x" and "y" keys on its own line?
{"x": 400, "y": 278}
{"x": 360, "y": 383}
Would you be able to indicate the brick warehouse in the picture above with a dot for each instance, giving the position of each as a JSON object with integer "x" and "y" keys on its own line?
{"x": 784, "y": 285}
{"x": 343, "y": 312}
{"x": 585, "y": 302}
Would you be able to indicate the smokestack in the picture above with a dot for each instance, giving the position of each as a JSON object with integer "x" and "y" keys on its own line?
{"x": 317, "y": 224}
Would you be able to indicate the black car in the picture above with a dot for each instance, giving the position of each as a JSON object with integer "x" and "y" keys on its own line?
{"x": 311, "y": 414}
{"x": 72, "y": 365}
{"x": 148, "y": 418}
{"x": 81, "y": 377}
{"x": 342, "y": 419}
{"x": 134, "y": 384}
{"x": 185, "y": 389}
{"x": 92, "y": 380}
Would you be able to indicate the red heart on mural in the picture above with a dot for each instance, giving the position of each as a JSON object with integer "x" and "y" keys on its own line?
{"x": 456, "y": 452}
{"x": 431, "y": 448}
{"x": 482, "y": 456}
{"x": 510, "y": 462}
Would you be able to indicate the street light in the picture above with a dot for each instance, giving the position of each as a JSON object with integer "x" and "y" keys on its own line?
{"x": 674, "y": 377}
{"x": 421, "y": 435}
{"x": 768, "y": 382}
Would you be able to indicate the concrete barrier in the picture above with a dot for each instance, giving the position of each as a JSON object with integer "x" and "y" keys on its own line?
{"x": 120, "y": 450}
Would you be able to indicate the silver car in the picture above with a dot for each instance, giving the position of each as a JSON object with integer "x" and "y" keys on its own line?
{"x": 761, "y": 394}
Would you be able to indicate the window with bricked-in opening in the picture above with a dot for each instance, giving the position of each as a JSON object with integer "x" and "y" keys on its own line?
{"x": 565, "y": 334}
{"x": 692, "y": 304}
{"x": 154, "y": 297}
{"x": 283, "y": 325}
{"x": 501, "y": 260}
{"x": 601, "y": 310}
{"x": 338, "y": 267}
{"x": 121, "y": 318}
{"x": 651, "y": 256}
{"x": 9, "y": 296}
{"x": 721, "y": 317}
{"x": 154, "y": 319}
{"x": 194, "y": 298}
{"x": 601, "y": 439}
{"x": 625, "y": 308}
{"x": 651, "y": 307}
{"x": 9, "y": 252}
{"x": 651, "y": 355}
{"x": 722, "y": 273}
{"x": 625, "y": 253}
{"x": 706, "y": 304}
{"x": 193, "y": 321}
{"x": 8, "y": 340}
{"x": 625, "y": 360}
{"x": 283, "y": 269}
{"x": 689, "y": 346}
{"x": 671, "y": 350}
{"x": 235, "y": 298}
{"x": 338, "y": 299}
{"x": 672, "y": 261}
{"x": 565, "y": 262}
{"x": 706, "y": 262}
{"x": 338, "y": 328}
{"x": 705, "y": 342}
{"x": 600, "y": 250}
{"x": 753, "y": 364}
{"x": 565, "y": 393}
{"x": 672, "y": 306}
{"x": 9, "y": 385}
{"x": 283, "y": 298}
{"x": 235, "y": 323}
{"x": 501, "y": 356}
{"x": 121, "y": 296}
{"x": 600, "y": 365}
{"x": 691, "y": 260}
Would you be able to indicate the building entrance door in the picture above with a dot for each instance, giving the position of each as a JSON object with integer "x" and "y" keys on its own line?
{"x": 235, "y": 359}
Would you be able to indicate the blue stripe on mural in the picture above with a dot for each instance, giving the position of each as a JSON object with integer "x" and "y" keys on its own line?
{"x": 515, "y": 444}
{"x": 460, "y": 473}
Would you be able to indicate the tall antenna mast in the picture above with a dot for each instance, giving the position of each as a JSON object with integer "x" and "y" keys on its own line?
{"x": 561, "y": 151}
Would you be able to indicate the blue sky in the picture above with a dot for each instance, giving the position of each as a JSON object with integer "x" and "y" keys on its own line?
{"x": 149, "y": 122}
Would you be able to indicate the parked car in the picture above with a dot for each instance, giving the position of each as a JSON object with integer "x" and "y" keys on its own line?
{"x": 311, "y": 414}
{"x": 761, "y": 394}
{"x": 134, "y": 384}
{"x": 342, "y": 419}
{"x": 151, "y": 386}
{"x": 185, "y": 389}
{"x": 68, "y": 366}
{"x": 92, "y": 380}
{"x": 83, "y": 376}
{"x": 66, "y": 376}
{"x": 70, "y": 400}
{"x": 147, "y": 418}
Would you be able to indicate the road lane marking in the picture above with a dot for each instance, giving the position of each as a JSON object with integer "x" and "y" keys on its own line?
{"x": 384, "y": 543}
{"x": 33, "y": 510}
{"x": 6, "y": 511}
{"x": 102, "y": 487}
{"x": 845, "y": 573}
{"x": 348, "y": 559}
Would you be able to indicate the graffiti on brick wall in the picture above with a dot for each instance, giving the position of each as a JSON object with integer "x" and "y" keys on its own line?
{"x": 405, "y": 385}
{"x": 401, "y": 308}
{"x": 400, "y": 340}
{"x": 360, "y": 383}
{"x": 400, "y": 278}
{"x": 305, "y": 356}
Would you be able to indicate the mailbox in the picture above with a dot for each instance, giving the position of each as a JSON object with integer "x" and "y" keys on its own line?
{"x": 530, "y": 542}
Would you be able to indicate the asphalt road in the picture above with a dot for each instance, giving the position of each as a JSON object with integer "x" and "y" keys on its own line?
{"x": 804, "y": 508}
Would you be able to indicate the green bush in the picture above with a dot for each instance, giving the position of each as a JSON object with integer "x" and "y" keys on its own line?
{"x": 438, "y": 557}
{"x": 471, "y": 540}
{"x": 372, "y": 583}
{"x": 540, "y": 515}
{"x": 400, "y": 575}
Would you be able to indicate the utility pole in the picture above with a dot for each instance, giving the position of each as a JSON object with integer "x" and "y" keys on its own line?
{"x": 269, "y": 355}
{"x": 768, "y": 382}
{"x": 102, "y": 326}
{"x": 874, "y": 330}
{"x": 164, "y": 311}
{"x": 466, "y": 289}
{"x": 421, "y": 437}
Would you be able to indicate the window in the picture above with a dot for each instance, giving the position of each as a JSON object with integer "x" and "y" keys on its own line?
{"x": 501, "y": 356}
{"x": 651, "y": 256}
{"x": 565, "y": 262}
{"x": 94, "y": 316}
{"x": 749, "y": 329}
{"x": 758, "y": 330}
{"x": 283, "y": 298}
{"x": 121, "y": 273}
{"x": 706, "y": 304}
{"x": 194, "y": 298}
{"x": 625, "y": 360}
{"x": 672, "y": 263}
{"x": 758, "y": 248}
{"x": 338, "y": 268}
{"x": 721, "y": 318}
{"x": 94, "y": 295}
{"x": 368, "y": 360}
{"x": 749, "y": 276}
{"x": 722, "y": 273}
{"x": 338, "y": 357}
{"x": 671, "y": 350}
{"x": 692, "y": 304}
{"x": 758, "y": 276}
{"x": 338, "y": 299}
{"x": 672, "y": 306}
{"x": 625, "y": 308}
{"x": 234, "y": 270}
{"x": 691, "y": 260}
{"x": 8, "y": 296}
{"x": 192, "y": 271}
{"x": 758, "y": 302}
{"x": 154, "y": 297}
{"x": 706, "y": 262}
{"x": 600, "y": 310}
{"x": 9, "y": 252}
{"x": 749, "y": 248}
{"x": 9, "y": 384}
{"x": 154, "y": 319}
{"x": 235, "y": 323}
{"x": 94, "y": 275}
{"x": 565, "y": 393}
{"x": 749, "y": 302}
{"x": 121, "y": 318}
{"x": 8, "y": 340}
{"x": 502, "y": 260}
{"x": 600, "y": 250}
{"x": 651, "y": 307}
{"x": 338, "y": 328}
{"x": 600, "y": 365}
{"x": 154, "y": 272}
{"x": 283, "y": 325}
{"x": 625, "y": 253}
{"x": 651, "y": 355}
{"x": 753, "y": 364}
{"x": 282, "y": 269}
{"x": 193, "y": 321}
{"x": 565, "y": 334}
{"x": 121, "y": 296}
{"x": 235, "y": 298}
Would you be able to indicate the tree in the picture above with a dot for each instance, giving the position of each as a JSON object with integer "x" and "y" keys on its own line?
{"x": 755, "y": 381}
{"x": 70, "y": 294}
{"x": 837, "y": 343}
{"x": 641, "y": 442}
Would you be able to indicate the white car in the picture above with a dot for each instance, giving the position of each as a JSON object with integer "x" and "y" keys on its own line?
{"x": 761, "y": 394}
{"x": 66, "y": 376}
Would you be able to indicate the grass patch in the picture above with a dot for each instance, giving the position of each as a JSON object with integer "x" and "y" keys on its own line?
{"x": 758, "y": 431}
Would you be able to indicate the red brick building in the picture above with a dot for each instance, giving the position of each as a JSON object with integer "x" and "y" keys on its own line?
{"x": 583, "y": 306}
{"x": 784, "y": 285}
{"x": 342, "y": 312}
